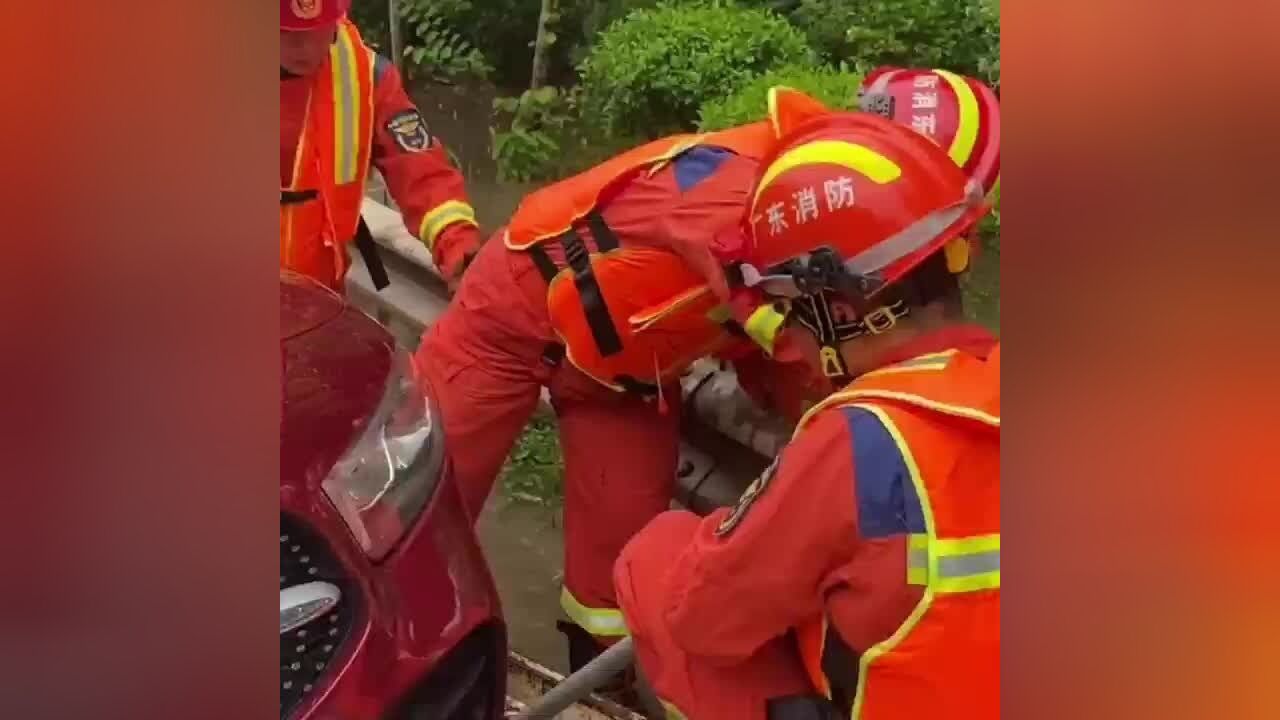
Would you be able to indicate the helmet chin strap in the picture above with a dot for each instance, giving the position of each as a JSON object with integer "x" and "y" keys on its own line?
{"x": 815, "y": 312}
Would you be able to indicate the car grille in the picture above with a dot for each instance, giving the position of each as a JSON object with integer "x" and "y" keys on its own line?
{"x": 306, "y": 652}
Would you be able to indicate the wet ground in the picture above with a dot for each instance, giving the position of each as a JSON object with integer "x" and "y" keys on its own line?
{"x": 525, "y": 547}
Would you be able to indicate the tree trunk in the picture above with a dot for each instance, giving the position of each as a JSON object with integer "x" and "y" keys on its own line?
{"x": 393, "y": 21}
{"x": 542, "y": 45}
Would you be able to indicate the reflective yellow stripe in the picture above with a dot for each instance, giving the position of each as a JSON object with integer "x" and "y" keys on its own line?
{"x": 773, "y": 111}
{"x": 926, "y": 599}
{"x": 967, "y": 130}
{"x": 918, "y": 559}
{"x": 969, "y": 545}
{"x": 444, "y": 215}
{"x": 932, "y": 361}
{"x": 946, "y": 409}
{"x": 763, "y": 326}
{"x": 602, "y": 622}
{"x": 865, "y": 161}
{"x": 964, "y": 564}
{"x": 673, "y": 712}
{"x": 346, "y": 108}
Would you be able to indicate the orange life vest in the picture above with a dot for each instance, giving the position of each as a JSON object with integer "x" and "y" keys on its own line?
{"x": 320, "y": 209}
{"x": 943, "y": 413}
{"x": 630, "y": 317}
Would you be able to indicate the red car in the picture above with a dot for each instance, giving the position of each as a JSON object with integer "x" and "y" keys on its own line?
{"x": 387, "y": 608}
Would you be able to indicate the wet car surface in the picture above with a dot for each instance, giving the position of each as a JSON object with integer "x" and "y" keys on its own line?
{"x": 387, "y": 607}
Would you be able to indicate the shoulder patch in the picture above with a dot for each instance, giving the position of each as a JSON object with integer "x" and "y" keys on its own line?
{"x": 409, "y": 130}
{"x": 888, "y": 503}
{"x": 697, "y": 164}
{"x": 749, "y": 497}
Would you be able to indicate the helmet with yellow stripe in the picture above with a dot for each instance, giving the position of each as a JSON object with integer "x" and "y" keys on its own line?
{"x": 959, "y": 113}
{"x": 846, "y": 205}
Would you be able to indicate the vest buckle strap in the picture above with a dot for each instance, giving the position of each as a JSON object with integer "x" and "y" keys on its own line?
{"x": 593, "y": 303}
{"x": 553, "y": 354}
{"x": 297, "y": 197}
{"x": 879, "y": 321}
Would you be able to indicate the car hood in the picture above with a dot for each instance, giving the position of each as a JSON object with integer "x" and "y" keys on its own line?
{"x": 305, "y": 305}
{"x": 336, "y": 363}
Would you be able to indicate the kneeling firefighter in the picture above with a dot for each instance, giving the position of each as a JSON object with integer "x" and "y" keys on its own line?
{"x": 859, "y": 576}
{"x": 959, "y": 113}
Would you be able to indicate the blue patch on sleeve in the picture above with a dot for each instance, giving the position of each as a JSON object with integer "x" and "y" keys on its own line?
{"x": 887, "y": 500}
{"x": 697, "y": 164}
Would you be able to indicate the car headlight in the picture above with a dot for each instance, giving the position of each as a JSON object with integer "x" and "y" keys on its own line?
{"x": 381, "y": 485}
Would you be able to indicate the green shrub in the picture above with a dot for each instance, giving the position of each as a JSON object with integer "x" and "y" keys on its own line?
{"x": 649, "y": 73}
{"x": 866, "y": 33}
{"x": 534, "y": 471}
{"x": 434, "y": 48}
{"x": 988, "y": 13}
{"x": 836, "y": 87}
{"x": 530, "y": 148}
{"x": 982, "y": 282}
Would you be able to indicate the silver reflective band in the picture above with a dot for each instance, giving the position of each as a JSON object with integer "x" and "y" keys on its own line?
{"x": 912, "y": 238}
{"x": 918, "y": 559}
{"x": 302, "y": 604}
{"x": 956, "y": 566}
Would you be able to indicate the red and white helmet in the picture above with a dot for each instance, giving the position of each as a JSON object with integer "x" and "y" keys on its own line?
{"x": 959, "y": 113}
{"x": 851, "y": 202}
{"x": 846, "y": 205}
{"x": 312, "y": 14}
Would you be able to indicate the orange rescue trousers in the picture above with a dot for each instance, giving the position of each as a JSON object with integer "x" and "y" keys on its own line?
{"x": 698, "y": 689}
{"x": 484, "y": 361}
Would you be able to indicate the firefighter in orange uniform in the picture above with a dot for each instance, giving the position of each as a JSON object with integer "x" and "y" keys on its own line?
{"x": 343, "y": 108}
{"x": 596, "y": 291}
{"x": 859, "y": 576}
{"x": 962, "y": 115}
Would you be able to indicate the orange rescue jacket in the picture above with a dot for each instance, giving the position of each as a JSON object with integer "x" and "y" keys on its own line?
{"x": 629, "y": 317}
{"x": 943, "y": 411}
{"x": 320, "y": 209}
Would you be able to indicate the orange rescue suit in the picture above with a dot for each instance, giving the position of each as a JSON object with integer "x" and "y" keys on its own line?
{"x": 631, "y": 317}
{"x": 864, "y": 565}
{"x": 351, "y": 114}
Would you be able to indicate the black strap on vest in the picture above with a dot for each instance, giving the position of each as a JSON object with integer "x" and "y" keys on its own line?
{"x": 364, "y": 241}
{"x": 297, "y": 197}
{"x": 801, "y": 707}
{"x": 368, "y": 250}
{"x": 593, "y": 303}
{"x": 553, "y": 354}
{"x": 636, "y": 387}
{"x": 840, "y": 665}
{"x": 546, "y": 266}
{"x": 602, "y": 233}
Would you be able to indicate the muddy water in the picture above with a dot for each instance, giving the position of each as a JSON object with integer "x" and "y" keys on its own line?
{"x": 525, "y": 547}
